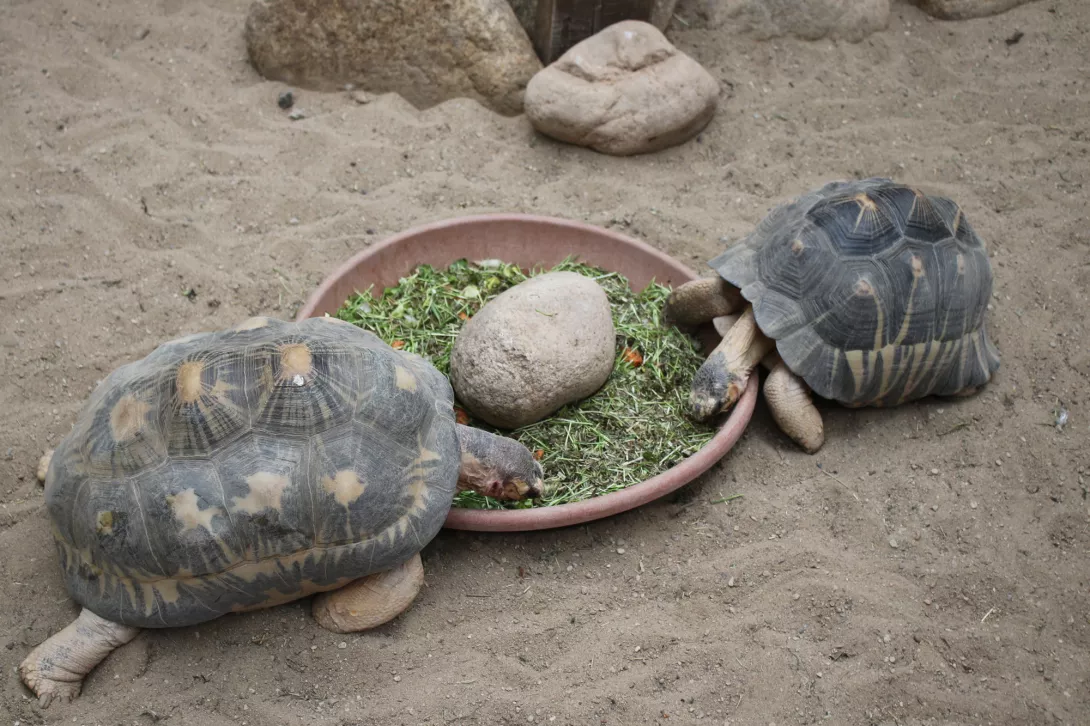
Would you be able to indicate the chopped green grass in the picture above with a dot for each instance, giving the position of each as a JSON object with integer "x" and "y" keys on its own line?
{"x": 631, "y": 429}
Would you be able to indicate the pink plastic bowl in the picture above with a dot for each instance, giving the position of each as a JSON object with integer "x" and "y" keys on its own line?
{"x": 530, "y": 241}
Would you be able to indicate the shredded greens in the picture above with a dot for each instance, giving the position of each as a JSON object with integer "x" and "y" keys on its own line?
{"x": 631, "y": 429}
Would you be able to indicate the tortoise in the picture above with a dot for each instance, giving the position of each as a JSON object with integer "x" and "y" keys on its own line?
{"x": 239, "y": 469}
{"x": 864, "y": 292}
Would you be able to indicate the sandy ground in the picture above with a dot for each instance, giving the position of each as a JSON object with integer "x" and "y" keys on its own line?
{"x": 935, "y": 571}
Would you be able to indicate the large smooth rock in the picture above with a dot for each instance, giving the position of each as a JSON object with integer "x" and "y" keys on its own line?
{"x": 427, "y": 52}
{"x": 966, "y": 9}
{"x": 850, "y": 20}
{"x": 544, "y": 343}
{"x": 626, "y": 90}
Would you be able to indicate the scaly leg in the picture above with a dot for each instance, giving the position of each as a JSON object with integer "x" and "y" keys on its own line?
{"x": 788, "y": 399}
{"x": 372, "y": 600}
{"x": 698, "y": 301}
{"x": 55, "y": 669}
{"x": 723, "y": 376}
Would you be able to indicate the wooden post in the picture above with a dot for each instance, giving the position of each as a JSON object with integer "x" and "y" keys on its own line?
{"x": 560, "y": 24}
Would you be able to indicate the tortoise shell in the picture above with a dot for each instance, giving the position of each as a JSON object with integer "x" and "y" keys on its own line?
{"x": 243, "y": 468}
{"x": 874, "y": 292}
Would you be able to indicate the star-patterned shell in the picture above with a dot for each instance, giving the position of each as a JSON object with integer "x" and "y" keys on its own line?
{"x": 238, "y": 469}
{"x": 874, "y": 292}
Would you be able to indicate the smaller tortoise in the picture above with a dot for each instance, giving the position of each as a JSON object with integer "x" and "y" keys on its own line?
{"x": 240, "y": 469}
{"x": 868, "y": 293}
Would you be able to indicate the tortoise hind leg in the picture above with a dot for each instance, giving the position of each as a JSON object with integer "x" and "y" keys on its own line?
{"x": 792, "y": 409}
{"x": 372, "y": 600}
{"x": 55, "y": 669}
{"x": 721, "y": 379}
{"x": 699, "y": 301}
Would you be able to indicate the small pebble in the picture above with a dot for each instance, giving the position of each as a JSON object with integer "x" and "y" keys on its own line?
{"x": 285, "y": 100}
{"x": 342, "y": 645}
{"x": 934, "y": 472}
{"x": 893, "y": 543}
{"x": 397, "y": 679}
{"x": 620, "y": 550}
{"x": 360, "y": 97}
{"x": 296, "y": 115}
{"x": 730, "y": 582}
{"x": 972, "y": 505}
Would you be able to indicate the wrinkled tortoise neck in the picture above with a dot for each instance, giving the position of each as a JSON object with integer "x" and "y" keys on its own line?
{"x": 479, "y": 454}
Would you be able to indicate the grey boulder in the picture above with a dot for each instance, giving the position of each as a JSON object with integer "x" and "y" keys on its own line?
{"x": 424, "y": 51}
{"x": 625, "y": 90}
{"x": 534, "y": 348}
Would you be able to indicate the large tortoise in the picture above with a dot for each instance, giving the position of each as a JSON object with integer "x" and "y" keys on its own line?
{"x": 866, "y": 292}
{"x": 244, "y": 468}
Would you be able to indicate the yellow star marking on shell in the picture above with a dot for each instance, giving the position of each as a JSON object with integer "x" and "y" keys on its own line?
{"x": 798, "y": 246}
{"x": 917, "y": 266}
{"x": 128, "y": 417}
{"x": 854, "y": 359}
{"x": 266, "y": 490}
{"x": 345, "y": 486}
{"x": 187, "y": 382}
{"x": 296, "y": 362}
{"x": 254, "y": 323}
{"x": 418, "y": 483}
{"x": 105, "y": 523}
{"x": 406, "y": 381}
{"x": 866, "y": 206}
{"x": 167, "y": 590}
{"x": 188, "y": 512}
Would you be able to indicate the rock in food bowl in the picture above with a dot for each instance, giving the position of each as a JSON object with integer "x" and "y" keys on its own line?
{"x": 533, "y": 241}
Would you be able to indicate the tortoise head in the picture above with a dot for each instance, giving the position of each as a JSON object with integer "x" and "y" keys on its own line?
{"x": 715, "y": 388}
{"x": 498, "y": 467}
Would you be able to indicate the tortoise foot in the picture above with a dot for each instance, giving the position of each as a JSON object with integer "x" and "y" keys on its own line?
{"x": 370, "y": 601}
{"x": 792, "y": 408}
{"x": 56, "y": 668}
{"x": 49, "y": 689}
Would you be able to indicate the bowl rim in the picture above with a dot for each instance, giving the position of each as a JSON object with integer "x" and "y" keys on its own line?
{"x": 573, "y": 513}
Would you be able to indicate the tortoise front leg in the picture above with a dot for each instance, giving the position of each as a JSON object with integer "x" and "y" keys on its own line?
{"x": 372, "y": 600}
{"x": 723, "y": 376}
{"x": 792, "y": 408}
{"x": 701, "y": 300}
{"x": 55, "y": 669}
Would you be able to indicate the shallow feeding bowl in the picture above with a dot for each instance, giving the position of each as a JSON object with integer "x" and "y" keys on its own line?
{"x": 533, "y": 241}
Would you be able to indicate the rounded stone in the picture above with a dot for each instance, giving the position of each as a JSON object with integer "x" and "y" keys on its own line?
{"x": 625, "y": 90}
{"x": 534, "y": 348}
{"x": 426, "y": 54}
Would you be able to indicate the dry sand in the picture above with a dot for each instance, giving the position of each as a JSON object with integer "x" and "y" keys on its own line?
{"x": 935, "y": 570}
